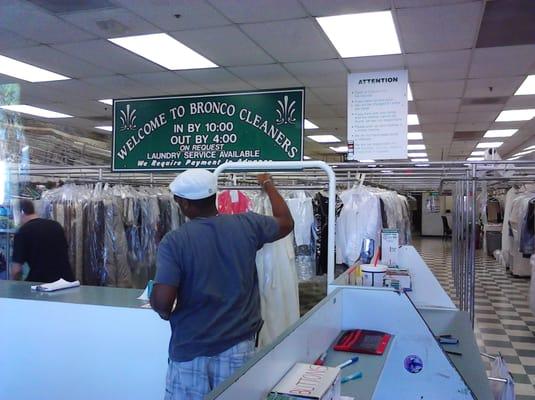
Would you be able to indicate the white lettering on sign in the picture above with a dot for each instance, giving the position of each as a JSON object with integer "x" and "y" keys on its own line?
{"x": 147, "y": 128}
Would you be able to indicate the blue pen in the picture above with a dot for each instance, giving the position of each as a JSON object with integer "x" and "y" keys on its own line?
{"x": 356, "y": 375}
{"x": 348, "y": 362}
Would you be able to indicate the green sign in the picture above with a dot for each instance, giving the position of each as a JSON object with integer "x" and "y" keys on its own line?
{"x": 204, "y": 131}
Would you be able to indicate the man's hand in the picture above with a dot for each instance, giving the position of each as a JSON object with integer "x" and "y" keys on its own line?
{"x": 263, "y": 179}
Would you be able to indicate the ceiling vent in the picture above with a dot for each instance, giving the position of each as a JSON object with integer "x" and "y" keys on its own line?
{"x": 468, "y": 135}
{"x": 480, "y": 101}
{"x": 507, "y": 23}
{"x": 69, "y": 6}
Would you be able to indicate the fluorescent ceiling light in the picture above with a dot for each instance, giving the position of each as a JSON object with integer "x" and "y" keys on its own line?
{"x": 363, "y": 34}
{"x": 366, "y": 161}
{"x": 105, "y": 127}
{"x": 409, "y": 93}
{"x": 500, "y": 133}
{"x": 416, "y": 147}
{"x": 412, "y": 119}
{"x": 475, "y": 158}
{"x": 27, "y": 72}
{"x": 489, "y": 145}
{"x": 478, "y": 153}
{"x": 164, "y": 50}
{"x": 523, "y": 153}
{"x": 107, "y": 101}
{"x": 339, "y": 149}
{"x": 513, "y": 158}
{"x": 39, "y": 112}
{"x": 414, "y": 136}
{"x": 310, "y": 125}
{"x": 527, "y": 87}
{"x": 306, "y": 157}
{"x": 412, "y": 155}
{"x": 420, "y": 160}
{"x": 516, "y": 115}
{"x": 387, "y": 171}
{"x": 324, "y": 138}
{"x": 422, "y": 165}
{"x": 529, "y": 148}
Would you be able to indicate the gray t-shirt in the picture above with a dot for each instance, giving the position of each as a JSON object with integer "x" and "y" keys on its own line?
{"x": 212, "y": 263}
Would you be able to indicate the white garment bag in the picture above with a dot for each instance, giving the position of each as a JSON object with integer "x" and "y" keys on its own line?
{"x": 277, "y": 279}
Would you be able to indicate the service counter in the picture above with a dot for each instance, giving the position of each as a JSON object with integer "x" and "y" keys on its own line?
{"x": 443, "y": 376}
{"x": 81, "y": 343}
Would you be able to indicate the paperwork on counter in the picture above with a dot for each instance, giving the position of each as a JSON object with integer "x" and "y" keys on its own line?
{"x": 60, "y": 284}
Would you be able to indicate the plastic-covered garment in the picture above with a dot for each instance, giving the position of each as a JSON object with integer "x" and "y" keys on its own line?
{"x": 501, "y": 390}
{"x": 277, "y": 279}
{"x": 233, "y": 202}
{"x": 303, "y": 215}
{"x": 506, "y": 229}
{"x": 113, "y": 232}
{"x": 359, "y": 219}
{"x": 320, "y": 204}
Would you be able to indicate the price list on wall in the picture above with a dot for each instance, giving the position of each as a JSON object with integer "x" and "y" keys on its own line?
{"x": 377, "y": 115}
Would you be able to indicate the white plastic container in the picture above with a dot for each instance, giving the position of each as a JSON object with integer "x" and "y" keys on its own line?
{"x": 373, "y": 275}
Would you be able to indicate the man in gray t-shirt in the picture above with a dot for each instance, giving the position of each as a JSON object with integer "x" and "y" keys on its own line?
{"x": 208, "y": 267}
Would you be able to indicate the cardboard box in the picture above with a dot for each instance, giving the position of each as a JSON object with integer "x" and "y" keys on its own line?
{"x": 398, "y": 278}
{"x": 307, "y": 381}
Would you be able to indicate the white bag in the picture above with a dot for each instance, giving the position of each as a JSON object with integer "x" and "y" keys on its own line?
{"x": 502, "y": 390}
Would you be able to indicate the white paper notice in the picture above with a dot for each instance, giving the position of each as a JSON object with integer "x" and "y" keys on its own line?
{"x": 377, "y": 115}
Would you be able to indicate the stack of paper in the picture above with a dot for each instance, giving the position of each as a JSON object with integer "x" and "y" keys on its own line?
{"x": 58, "y": 285}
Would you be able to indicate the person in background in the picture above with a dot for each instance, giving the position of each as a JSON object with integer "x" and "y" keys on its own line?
{"x": 206, "y": 283}
{"x": 42, "y": 244}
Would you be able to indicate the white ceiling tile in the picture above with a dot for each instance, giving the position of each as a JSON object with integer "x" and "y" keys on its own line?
{"x": 10, "y": 40}
{"x": 502, "y": 61}
{"x": 426, "y": 3}
{"x": 434, "y": 129}
{"x": 450, "y": 27}
{"x": 438, "y": 66}
{"x": 109, "y": 57}
{"x": 507, "y": 125}
{"x": 111, "y": 22}
{"x": 435, "y": 118}
{"x": 292, "y": 40}
{"x": 261, "y": 10}
{"x": 472, "y": 126}
{"x": 167, "y": 82}
{"x": 320, "y": 111}
{"x": 34, "y": 23}
{"x": 438, "y": 106}
{"x": 330, "y": 95}
{"x": 500, "y": 86}
{"x": 55, "y": 61}
{"x": 374, "y": 63}
{"x": 339, "y": 109}
{"x": 477, "y": 116}
{"x": 194, "y": 14}
{"x": 437, "y": 90}
{"x": 122, "y": 86}
{"x": 481, "y": 108}
{"x": 216, "y": 79}
{"x": 322, "y": 8}
{"x": 527, "y": 101}
{"x": 225, "y": 46}
{"x": 311, "y": 98}
{"x": 265, "y": 76}
{"x": 319, "y": 73}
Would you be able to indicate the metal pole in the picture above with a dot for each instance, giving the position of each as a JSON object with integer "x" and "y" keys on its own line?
{"x": 292, "y": 165}
{"x": 472, "y": 258}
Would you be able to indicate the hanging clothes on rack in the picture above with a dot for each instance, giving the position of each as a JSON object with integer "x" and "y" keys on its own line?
{"x": 320, "y": 204}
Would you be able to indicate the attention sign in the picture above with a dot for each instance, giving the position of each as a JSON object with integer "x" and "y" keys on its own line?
{"x": 204, "y": 131}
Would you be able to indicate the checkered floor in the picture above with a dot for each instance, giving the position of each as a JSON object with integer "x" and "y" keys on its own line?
{"x": 504, "y": 321}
